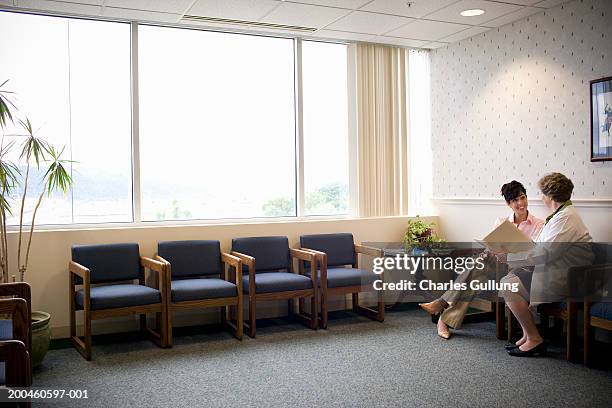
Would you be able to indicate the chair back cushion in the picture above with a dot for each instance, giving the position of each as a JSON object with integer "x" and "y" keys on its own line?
{"x": 192, "y": 258}
{"x": 270, "y": 253}
{"x": 109, "y": 262}
{"x": 603, "y": 253}
{"x": 340, "y": 248}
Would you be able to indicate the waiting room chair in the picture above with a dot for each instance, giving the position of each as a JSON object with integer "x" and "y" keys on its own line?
{"x": 338, "y": 265}
{"x": 15, "y": 335}
{"x": 113, "y": 268}
{"x": 269, "y": 262}
{"x": 598, "y": 287}
{"x": 197, "y": 278}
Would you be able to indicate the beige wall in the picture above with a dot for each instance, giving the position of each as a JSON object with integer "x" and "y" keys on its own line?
{"x": 48, "y": 273}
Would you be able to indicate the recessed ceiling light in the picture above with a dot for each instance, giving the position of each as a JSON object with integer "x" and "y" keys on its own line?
{"x": 472, "y": 12}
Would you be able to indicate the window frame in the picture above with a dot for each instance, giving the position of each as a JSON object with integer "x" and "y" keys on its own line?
{"x": 135, "y": 136}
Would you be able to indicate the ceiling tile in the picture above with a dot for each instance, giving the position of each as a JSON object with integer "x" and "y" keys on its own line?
{"x": 492, "y": 10}
{"x": 403, "y": 42}
{"x": 6, "y": 3}
{"x": 399, "y": 7}
{"x": 174, "y": 6}
{"x": 341, "y": 35}
{"x": 62, "y": 7}
{"x": 347, "y": 4}
{"x": 427, "y": 30}
{"x": 470, "y": 32}
{"x": 139, "y": 15}
{"x": 247, "y": 10}
{"x": 550, "y": 3}
{"x": 511, "y": 17}
{"x": 304, "y": 15}
{"x": 369, "y": 23}
{"x": 434, "y": 45}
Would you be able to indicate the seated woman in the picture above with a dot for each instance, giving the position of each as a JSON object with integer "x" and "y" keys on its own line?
{"x": 454, "y": 303}
{"x": 562, "y": 243}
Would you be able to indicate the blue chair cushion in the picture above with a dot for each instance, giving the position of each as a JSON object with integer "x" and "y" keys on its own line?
{"x": 6, "y": 329}
{"x": 340, "y": 248}
{"x": 114, "y": 296}
{"x": 341, "y": 277}
{"x": 602, "y": 310}
{"x": 109, "y": 262}
{"x": 198, "y": 289}
{"x": 269, "y": 252}
{"x": 277, "y": 282}
{"x": 192, "y": 258}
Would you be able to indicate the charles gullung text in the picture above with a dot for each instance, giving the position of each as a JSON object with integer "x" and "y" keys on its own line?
{"x": 412, "y": 264}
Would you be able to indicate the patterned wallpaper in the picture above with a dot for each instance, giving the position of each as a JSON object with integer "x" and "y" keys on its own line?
{"x": 513, "y": 103}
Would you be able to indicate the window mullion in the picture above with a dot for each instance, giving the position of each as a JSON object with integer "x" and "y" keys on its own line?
{"x": 299, "y": 130}
{"x": 135, "y": 127}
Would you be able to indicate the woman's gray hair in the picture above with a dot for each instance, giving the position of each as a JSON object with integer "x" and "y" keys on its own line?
{"x": 556, "y": 186}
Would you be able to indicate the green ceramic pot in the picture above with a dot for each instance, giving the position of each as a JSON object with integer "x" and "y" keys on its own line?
{"x": 41, "y": 336}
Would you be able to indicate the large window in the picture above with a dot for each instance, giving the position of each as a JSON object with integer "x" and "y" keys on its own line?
{"x": 324, "y": 68}
{"x": 217, "y": 128}
{"x": 71, "y": 79}
{"x": 219, "y": 133}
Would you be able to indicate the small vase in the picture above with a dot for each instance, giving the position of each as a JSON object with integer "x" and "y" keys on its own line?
{"x": 41, "y": 336}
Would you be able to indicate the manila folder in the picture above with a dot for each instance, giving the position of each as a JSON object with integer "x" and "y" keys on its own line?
{"x": 506, "y": 238}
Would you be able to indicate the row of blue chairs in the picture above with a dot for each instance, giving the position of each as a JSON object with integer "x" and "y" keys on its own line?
{"x": 197, "y": 274}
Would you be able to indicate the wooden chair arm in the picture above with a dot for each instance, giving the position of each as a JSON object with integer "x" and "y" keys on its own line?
{"x": 320, "y": 254}
{"x": 17, "y": 289}
{"x": 237, "y": 264}
{"x": 361, "y": 249}
{"x": 302, "y": 255}
{"x": 18, "y": 371}
{"x": 231, "y": 260}
{"x": 155, "y": 265}
{"x": 246, "y": 259}
{"x": 321, "y": 257}
{"x": 20, "y": 312}
{"x": 79, "y": 270}
{"x": 250, "y": 262}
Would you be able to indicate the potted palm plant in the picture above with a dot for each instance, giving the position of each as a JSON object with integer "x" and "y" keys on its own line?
{"x": 34, "y": 152}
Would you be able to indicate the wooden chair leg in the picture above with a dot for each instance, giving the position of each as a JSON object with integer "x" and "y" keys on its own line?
{"x": 571, "y": 331}
{"x": 324, "y": 310}
{"x": 252, "y": 317}
{"x": 500, "y": 327}
{"x": 169, "y": 338}
{"x": 87, "y": 318}
{"x": 510, "y": 325}
{"x": 587, "y": 334}
{"x": 223, "y": 315}
{"x": 239, "y": 320}
{"x": 314, "y": 312}
{"x": 381, "y": 307}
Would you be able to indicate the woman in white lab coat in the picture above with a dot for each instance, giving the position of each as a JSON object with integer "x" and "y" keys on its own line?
{"x": 562, "y": 243}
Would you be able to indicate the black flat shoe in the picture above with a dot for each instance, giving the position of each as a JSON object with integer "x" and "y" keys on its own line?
{"x": 510, "y": 346}
{"x": 540, "y": 350}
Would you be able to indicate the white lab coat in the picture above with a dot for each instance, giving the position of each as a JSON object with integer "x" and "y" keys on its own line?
{"x": 561, "y": 244}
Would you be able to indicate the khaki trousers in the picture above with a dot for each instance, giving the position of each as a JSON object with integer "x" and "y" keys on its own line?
{"x": 459, "y": 300}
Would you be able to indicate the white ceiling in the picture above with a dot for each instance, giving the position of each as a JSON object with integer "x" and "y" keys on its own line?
{"x": 409, "y": 23}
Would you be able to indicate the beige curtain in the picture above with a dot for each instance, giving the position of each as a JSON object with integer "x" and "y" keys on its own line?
{"x": 382, "y": 134}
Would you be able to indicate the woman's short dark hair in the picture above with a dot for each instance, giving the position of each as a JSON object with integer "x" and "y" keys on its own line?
{"x": 512, "y": 190}
{"x": 556, "y": 186}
